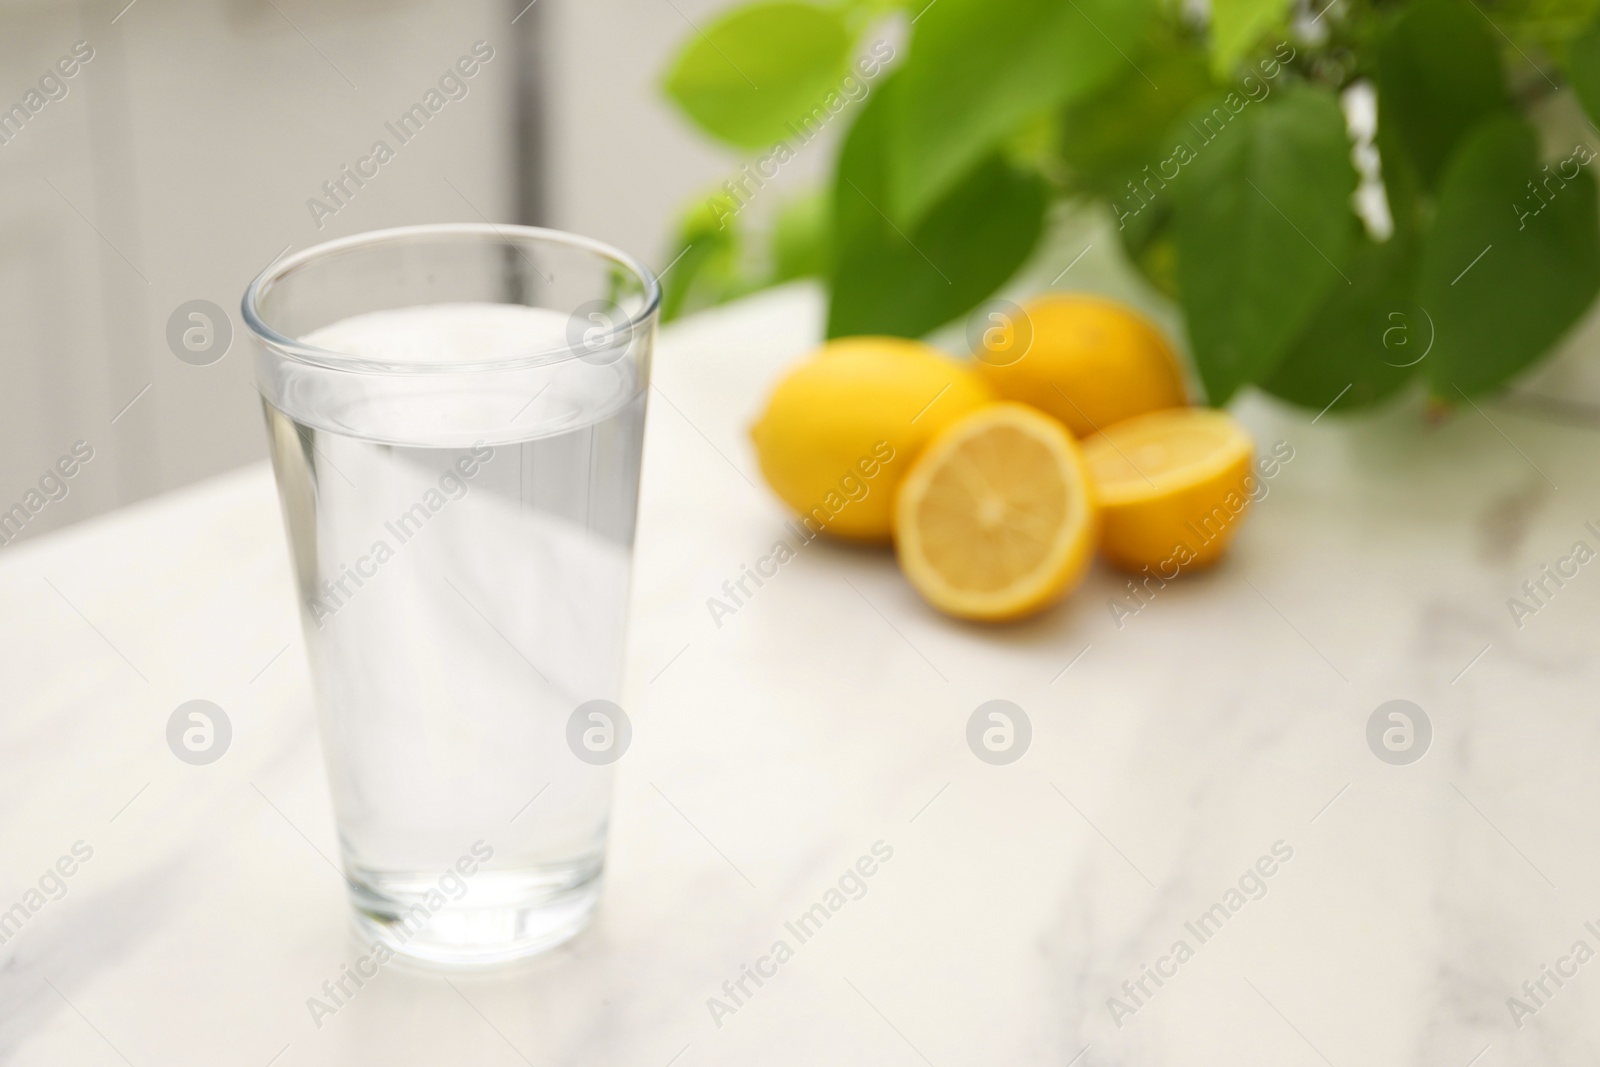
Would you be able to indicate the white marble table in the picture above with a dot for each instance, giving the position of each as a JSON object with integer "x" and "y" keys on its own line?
{"x": 829, "y": 714}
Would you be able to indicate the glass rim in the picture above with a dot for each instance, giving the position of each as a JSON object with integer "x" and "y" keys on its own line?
{"x": 293, "y": 348}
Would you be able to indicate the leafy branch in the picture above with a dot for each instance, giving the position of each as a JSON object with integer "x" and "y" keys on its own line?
{"x": 1221, "y": 147}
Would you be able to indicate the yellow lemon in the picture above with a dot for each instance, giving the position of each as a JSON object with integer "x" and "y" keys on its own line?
{"x": 996, "y": 519}
{"x": 1088, "y": 361}
{"x": 840, "y": 430}
{"x": 1172, "y": 487}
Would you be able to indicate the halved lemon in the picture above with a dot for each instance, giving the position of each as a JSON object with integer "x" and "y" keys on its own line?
{"x": 1172, "y": 486}
{"x": 995, "y": 520}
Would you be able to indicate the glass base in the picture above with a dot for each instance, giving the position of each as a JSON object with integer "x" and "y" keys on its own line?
{"x": 505, "y": 916}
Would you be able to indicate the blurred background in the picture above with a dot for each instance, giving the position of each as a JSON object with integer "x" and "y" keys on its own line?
{"x": 191, "y": 142}
{"x": 180, "y": 160}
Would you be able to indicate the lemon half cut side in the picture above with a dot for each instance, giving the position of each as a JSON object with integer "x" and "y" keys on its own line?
{"x": 996, "y": 519}
{"x": 1173, "y": 487}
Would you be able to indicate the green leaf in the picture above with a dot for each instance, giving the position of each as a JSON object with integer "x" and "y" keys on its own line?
{"x": 1263, "y": 224}
{"x": 800, "y": 238}
{"x": 1365, "y": 341}
{"x": 1439, "y": 74}
{"x": 699, "y": 279}
{"x": 905, "y": 281}
{"x": 1583, "y": 70}
{"x": 752, "y": 74}
{"x": 703, "y": 258}
{"x": 979, "y": 70}
{"x": 1108, "y": 136}
{"x": 1402, "y": 184}
{"x": 710, "y": 261}
{"x": 1506, "y": 270}
{"x": 1546, "y": 24}
{"x": 1237, "y": 26}
{"x": 1122, "y": 135}
{"x": 1148, "y": 243}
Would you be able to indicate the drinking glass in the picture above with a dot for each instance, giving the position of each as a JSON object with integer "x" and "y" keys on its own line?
{"x": 455, "y": 416}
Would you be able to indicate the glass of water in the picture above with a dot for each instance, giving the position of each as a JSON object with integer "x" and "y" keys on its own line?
{"x": 455, "y": 415}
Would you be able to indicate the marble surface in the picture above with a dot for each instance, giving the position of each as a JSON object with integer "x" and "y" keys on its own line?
{"x": 1169, "y": 756}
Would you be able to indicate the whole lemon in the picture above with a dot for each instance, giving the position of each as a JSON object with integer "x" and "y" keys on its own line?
{"x": 842, "y": 428}
{"x": 1087, "y": 360}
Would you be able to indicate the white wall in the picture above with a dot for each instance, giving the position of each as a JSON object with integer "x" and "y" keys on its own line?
{"x": 624, "y": 163}
{"x": 180, "y": 161}
{"x": 176, "y": 167}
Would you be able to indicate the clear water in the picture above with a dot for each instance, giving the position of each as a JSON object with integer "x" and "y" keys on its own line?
{"x": 459, "y": 603}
